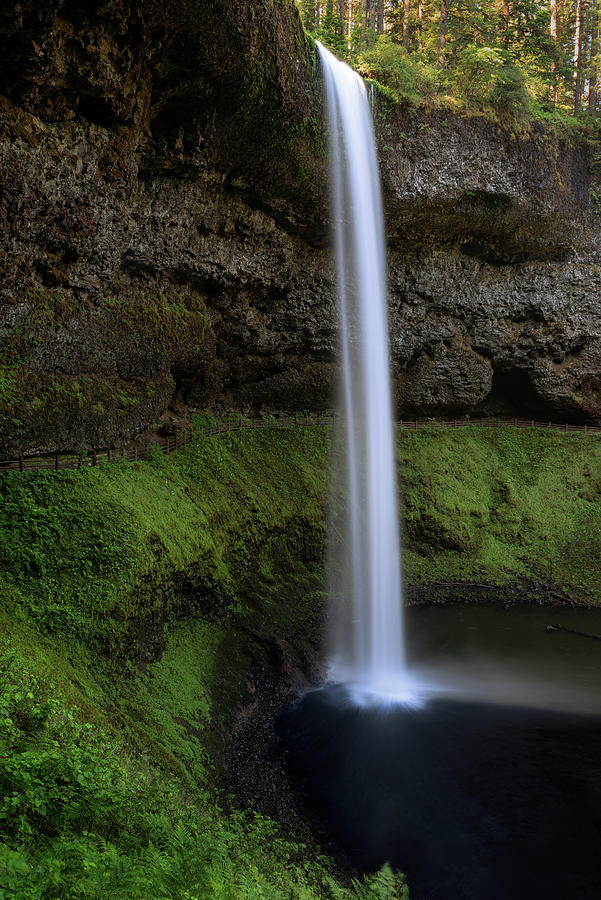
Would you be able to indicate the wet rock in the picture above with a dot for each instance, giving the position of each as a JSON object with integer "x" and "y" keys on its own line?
{"x": 450, "y": 380}
{"x": 163, "y": 231}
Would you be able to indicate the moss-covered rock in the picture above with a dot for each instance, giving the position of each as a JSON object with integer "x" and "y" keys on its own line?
{"x": 166, "y": 600}
{"x": 502, "y": 507}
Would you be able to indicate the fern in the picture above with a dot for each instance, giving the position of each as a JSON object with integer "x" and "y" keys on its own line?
{"x": 118, "y": 877}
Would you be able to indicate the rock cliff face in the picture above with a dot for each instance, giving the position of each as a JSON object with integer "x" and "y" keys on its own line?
{"x": 163, "y": 233}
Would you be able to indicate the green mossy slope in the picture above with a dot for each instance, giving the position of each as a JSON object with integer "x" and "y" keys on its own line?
{"x": 81, "y": 817}
{"x": 136, "y": 600}
{"x": 503, "y": 506}
{"x": 106, "y": 555}
{"x": 105, "y": 775}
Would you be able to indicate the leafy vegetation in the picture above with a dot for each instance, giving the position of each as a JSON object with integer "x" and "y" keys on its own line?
{"x": 79, "y": 818}
{"x": 136, "y": 598}
{"x": 88, "y": 553}
{"x": 529, "y": 59}
{"x": 106, "y": 779}
{"x": 502, "y": 506}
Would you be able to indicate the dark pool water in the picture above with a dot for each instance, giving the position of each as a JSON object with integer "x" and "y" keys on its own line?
{"x": 472, "y": 799}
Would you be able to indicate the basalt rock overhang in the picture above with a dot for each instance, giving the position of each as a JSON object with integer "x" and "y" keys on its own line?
{"x": 505, "y": 194}
{"x": 164, "y": 230}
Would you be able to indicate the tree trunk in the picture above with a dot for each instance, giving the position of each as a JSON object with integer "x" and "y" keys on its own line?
{"x": 370, "y": 20}
{"x": 340, "y": 13}
{"x": 442, "y": 30}
{"x": 372, "y": 6}
{"x": 406, "y": 6}
{"x": 380, "y": 23}
{"x": 577, "y": 59}
{"x": 595, "y": 50}
{"x": 420, "y": 22}
{"x": 506, "y": 17}
{"x": 553, "y": 33}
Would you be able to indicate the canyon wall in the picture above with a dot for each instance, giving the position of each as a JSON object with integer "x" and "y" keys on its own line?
{"x": 164, "y": 233}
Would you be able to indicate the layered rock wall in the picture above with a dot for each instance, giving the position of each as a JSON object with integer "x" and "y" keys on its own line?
{"x": 163, "y": 233}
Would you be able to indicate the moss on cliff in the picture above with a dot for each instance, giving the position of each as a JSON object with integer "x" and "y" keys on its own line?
{"x": 147, "y": 335}
{"x": 104, "y": 554}
{"x": 503, "y": 506}
{"x": 145, "y": 597}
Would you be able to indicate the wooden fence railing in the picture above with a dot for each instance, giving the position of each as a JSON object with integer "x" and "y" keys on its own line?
{"x": 138, "y": 450}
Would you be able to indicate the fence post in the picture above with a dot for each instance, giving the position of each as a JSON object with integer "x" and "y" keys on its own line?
{"x": 56, "y": 460}
{"x": 79, "y": 460}
{"x": 93, "y": 457}
{"x": 585, "y": 429}
{"x": 20, "y": 462}
{"x": 123, "y": 453}
{"x": 566, "y": 427}
{"x": 135, "y": 454}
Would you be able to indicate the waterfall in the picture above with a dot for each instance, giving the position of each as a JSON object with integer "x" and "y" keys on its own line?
{"x": 367, "y": 634}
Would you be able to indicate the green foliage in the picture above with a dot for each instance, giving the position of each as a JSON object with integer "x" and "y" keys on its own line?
{"x": 80, "y": 818}
{"x": 501, "y": 506}
{"x": 407, "y": 75}
{"x": 87, "y": 553}
{"x": 383, "y": 885}
{"x": 482, "y": 77}
{"x": 488, "y": 76}
{"x": 58, "y": 774}
{"x": 499, "y": 59}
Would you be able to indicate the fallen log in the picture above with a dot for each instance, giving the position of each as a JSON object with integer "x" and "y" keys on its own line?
{"x": 586, "y": 634}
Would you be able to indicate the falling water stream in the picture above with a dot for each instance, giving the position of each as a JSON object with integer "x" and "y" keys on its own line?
{"x": 368, "y": 648}
{"x": 490, "y": 789}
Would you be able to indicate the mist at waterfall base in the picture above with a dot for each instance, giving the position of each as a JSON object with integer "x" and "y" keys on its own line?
{"x": 471, "y": 761}
{"x": 478, "y": 799}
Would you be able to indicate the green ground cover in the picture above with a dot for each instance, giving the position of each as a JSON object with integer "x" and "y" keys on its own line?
{"x": 135, "y": 600}
{"x": 502, "y": 505}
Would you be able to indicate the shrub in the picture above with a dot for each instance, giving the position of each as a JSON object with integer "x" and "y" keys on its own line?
{"x": 407, "y": 75}
{"x": 487, "y": 75}
{"x": 79, "y": 819}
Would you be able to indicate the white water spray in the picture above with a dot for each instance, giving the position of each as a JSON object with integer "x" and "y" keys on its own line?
{"x": 368, "y": 647}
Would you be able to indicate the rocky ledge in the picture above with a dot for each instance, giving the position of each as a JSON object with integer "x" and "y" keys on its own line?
{"x": 163, "y": 231}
